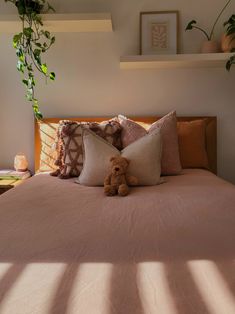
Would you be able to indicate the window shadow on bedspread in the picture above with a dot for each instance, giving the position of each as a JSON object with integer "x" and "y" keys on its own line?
{"x": 227, "y": 271}
{"x": 62, "y": 296}
{"x": 184, "y": 291}
{"x": 124, "y": 296}
{"x": 9, "y": 279}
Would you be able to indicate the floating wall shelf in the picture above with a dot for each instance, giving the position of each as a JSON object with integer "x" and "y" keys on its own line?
{"x": 175, "y": 61}
{"x": 63, "y": 23}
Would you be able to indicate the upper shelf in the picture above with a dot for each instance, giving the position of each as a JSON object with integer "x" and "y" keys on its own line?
{"x": 63, "y": 23}
{"x": 174, "y": 61}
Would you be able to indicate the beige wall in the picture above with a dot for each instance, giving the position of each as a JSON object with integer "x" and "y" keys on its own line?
{"x": 89, "y": 81}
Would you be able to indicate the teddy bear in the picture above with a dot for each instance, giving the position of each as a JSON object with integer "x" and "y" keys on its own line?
{"x": 117, "y": 181}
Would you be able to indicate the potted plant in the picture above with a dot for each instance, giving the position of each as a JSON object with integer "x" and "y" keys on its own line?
{"x": 228, "y": 40}
{"x": 30, "y": 44}
{"x": 210, "y": 45}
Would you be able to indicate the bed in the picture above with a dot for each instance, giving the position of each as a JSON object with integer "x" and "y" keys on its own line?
{"x": 168, "y": 249}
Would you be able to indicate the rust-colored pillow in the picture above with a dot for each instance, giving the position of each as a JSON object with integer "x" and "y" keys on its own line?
{"x": 192, "y": 144}
{"x": 70, "y": 148}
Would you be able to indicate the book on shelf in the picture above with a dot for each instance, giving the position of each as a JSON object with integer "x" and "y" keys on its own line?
{"x": 9, "y": 174}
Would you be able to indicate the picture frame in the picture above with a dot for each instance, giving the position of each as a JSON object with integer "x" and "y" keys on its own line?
{"x": 159, "y": 32}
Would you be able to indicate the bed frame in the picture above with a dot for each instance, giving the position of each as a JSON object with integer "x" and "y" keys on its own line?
{"x": 211, "y": 134}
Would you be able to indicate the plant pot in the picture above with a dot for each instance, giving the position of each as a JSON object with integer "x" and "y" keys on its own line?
{"x": 210, "y": 46}
{"x": 227, "y": 44}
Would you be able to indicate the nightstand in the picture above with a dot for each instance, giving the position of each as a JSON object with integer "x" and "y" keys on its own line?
{"x": 6, "y": 185}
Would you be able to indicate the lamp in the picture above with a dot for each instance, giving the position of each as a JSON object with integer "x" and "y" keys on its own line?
{"x": 20, "y": 162}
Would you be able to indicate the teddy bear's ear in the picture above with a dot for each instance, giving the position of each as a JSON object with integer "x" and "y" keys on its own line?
{"x": 128, "y": 161}
{"x": 112, "y": 158}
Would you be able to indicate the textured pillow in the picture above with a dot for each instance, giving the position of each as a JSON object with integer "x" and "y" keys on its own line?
{"x": 132, "y": 131}
{"x": 48, "y": 154}
{"x": 70, "y": 159}
{"x": 192, "y": 144}
{"x": 144, "y": 155}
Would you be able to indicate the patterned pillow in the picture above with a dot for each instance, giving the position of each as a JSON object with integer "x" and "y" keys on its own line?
{"x": 70, "y": 145}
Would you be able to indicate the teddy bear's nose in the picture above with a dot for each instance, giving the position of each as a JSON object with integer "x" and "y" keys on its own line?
{"x": 116, "y": 168}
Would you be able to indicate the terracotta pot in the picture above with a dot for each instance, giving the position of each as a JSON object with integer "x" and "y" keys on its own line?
{"x": 227, "y": 44}
{"x": 210, "y": 46}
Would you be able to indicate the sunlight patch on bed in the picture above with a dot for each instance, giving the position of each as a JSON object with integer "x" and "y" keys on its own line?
{"x": 154, "y": 290}
{"x": 33, "y": 290}
{"x": 93, "y": 285}
{"x": 213, "y": 287}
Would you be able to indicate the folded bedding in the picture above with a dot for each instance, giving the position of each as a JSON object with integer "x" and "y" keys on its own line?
{"x": 167, "y": 249}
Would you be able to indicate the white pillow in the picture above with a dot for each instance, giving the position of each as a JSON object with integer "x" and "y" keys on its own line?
{"x": 144, "y": 156}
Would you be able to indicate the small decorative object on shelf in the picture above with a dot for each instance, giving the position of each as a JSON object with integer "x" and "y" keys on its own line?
{"x": 210, "y": 45}
{"x": 159, "y": 32}
{"x": 30, "y": 44}
{"x": 20, "y": 163}
{"x": 228, "y": 40}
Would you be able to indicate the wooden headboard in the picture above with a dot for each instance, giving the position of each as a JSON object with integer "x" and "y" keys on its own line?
{"x": 211, "y": 134}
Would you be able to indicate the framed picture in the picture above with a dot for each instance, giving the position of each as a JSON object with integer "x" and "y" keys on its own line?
{"x": 159, "y": 32}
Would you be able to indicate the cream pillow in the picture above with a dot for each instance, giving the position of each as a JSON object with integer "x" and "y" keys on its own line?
{"x": 144, "y": 155}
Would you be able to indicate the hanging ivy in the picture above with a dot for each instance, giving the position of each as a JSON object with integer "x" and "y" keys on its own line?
{"x": 30, "y": 44}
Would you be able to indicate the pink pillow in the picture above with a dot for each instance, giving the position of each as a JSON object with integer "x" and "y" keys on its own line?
{"x": 132, "y": 131}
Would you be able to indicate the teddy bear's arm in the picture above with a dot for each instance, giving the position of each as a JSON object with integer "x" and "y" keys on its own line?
{"x": 107, "y": 180}
{"x": 131, "y": 180}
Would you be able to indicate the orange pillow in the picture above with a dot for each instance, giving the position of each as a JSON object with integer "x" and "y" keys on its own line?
{"x": 192, "y": 144}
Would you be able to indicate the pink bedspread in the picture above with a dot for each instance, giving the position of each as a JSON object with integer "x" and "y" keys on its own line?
{"x": 168, "y": 249}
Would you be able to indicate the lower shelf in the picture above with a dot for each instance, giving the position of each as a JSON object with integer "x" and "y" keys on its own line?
{"x": 175, "y": 61}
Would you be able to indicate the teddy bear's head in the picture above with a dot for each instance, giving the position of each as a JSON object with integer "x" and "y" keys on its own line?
{"x": 119, "y": 165}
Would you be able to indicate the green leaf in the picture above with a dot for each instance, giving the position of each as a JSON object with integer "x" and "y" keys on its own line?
{"x": 47, "y": 34}
{"x": 19, "y": 52}
{"x": 230, "y": 62}
{"x": 190, "y": 25}
{"x": 29, "y": 94}
{"x": 20, "y": 66}
{"x": 37, "y": 113}
{"x": 52, "y": 76}
{"x": 44, "y": 68}
{"x": 228, "y": 65}
{"x": 16, "y": 39}
{"x": 37, "y": 55}
{"x": 28, "y": 32}
{"x": 231, "y": 30}
{"x": 25, "y": 82}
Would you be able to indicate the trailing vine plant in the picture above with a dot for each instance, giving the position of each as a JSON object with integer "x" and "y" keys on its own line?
{"x": 30, "y": 44}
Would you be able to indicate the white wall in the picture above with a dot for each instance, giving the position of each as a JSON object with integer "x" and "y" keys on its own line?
{"x": 90, "y": 82}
